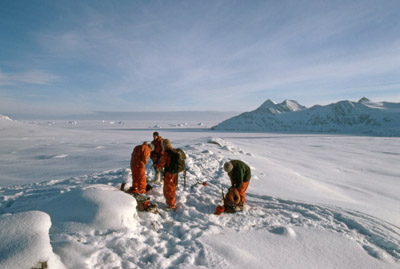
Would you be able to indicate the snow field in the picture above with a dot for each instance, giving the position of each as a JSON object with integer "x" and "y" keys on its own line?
{"x": 96, "y": 226}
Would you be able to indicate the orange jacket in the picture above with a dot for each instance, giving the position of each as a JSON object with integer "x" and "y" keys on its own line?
{"x": 140, "y": 155}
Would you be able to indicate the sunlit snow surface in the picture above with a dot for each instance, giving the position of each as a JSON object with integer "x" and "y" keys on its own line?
{"x": 314, "y": 201}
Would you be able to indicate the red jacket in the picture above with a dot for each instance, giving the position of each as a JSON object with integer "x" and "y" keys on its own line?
{"x": 158, "y": 151}
{"x": 164, "y": 161}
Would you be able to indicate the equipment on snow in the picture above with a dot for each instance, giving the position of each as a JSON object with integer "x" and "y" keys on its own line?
{"x": 199, "y": 183}
{"x": 230, "y": 205}
{"x": 231, "y": 208}
{"x": 144, "y": 205}
{"x": 221, "y": 208}
{"x": 234, "y": 196}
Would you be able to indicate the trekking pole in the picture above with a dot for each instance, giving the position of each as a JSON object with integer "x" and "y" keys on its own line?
{"x": 184, "y": 178}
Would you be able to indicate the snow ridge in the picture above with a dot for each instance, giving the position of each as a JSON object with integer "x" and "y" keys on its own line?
{"x": 362, "y": 117}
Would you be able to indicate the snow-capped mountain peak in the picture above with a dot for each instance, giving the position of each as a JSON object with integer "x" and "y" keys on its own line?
{"x": 290, "y": 105}
{"x": 364, "y": 100}
{"x": 364, "y": 116}
{"x": 286, "y": 106}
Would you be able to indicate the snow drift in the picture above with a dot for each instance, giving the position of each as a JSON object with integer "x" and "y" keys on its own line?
{"x": 100, "y": 207}
{"x": 362, "y": 117}
{"x": 25, "y": 241}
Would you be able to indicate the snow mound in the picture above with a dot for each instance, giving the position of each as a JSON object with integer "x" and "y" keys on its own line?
{"x": 98, "y": 207}
{"x": 284, "y": 231}
{"x": 362, "y": 117}
{"x": 2, "y": 117}
{"x": 25, "y": 242}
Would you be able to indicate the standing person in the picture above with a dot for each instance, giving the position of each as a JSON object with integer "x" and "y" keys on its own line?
{"x": 239, "y": 174}
{"x": 139, "y": 158}
{"x": 170, "y": 179}
{"x": 156, "y": 155}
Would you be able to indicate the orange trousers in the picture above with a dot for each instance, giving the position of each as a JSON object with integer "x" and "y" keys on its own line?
{"x": 169, "y": 189}
{"x": 139, "y": 181}
{"x": 242, "y": 193}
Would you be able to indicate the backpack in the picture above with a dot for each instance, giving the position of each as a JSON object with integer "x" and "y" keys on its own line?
{"x": 177, "y": 163}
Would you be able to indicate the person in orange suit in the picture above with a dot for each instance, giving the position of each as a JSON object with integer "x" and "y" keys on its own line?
{"x": 156, "y": 155}
{"x": 239, "y": 173}
{"x": 170, "y": 180}
{"x": 139, "y": 158}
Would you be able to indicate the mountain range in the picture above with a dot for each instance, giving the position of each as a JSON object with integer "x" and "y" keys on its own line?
{"x": 362, "y": 117}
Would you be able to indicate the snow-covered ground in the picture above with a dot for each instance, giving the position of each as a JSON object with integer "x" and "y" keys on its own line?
{"x": 314, "y": 201}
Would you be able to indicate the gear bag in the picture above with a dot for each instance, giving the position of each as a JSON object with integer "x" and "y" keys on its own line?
{"x": 177, "y": 163}
{"x": 143, "y": 204}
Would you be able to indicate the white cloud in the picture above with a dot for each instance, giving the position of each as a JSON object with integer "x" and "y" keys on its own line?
{"x": 35, "y": 77}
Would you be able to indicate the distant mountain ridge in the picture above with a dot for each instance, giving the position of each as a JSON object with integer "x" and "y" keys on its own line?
{"x": 362, "y": 117}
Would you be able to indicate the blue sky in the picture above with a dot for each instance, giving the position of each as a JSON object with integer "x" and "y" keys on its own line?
{"x": 63, "y": 56}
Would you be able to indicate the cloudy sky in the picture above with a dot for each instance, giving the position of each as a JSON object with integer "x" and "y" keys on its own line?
{"x": 225, "y": 55}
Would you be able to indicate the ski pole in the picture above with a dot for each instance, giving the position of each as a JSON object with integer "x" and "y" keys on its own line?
{"x": 184, "y": 178}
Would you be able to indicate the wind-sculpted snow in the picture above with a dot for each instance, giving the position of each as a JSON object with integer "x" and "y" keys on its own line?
{"x": 193, "y": 236}
{"x": 362, "y": 117}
